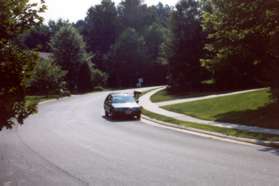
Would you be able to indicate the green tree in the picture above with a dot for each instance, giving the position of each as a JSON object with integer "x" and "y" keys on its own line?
{"x": 185, "y": 46}
{"x": 105, "y": 24}
{"x": 154, "y": 37}
{"x": 55, "y": 26}
{"x": 85, "y": 83}
{"x": 101, "y": 26}
{"x": 99, "y": 78}
{"x": 130, "y": 13}
{"x": 81, "y": 26}
{"x": 47, "y": 79}
{"x": 155, "y": 70}
{"x": 37, "y": 38}
{"x": 90, "y": 78}
{"x": 101, "y": 30}
{"x": 69, "y": 52}
{"x": 134, "y": 14}
{"x": 15, "y": 63}
{"x": 127, "y": 59}
{"x": 242, "y": 42}
{"x": 162, "y": 14}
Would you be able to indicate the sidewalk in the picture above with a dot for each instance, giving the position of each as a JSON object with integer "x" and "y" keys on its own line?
{"x": 155, "y": 107}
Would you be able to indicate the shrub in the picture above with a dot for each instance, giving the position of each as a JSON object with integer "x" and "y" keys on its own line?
{"x": 47, "y": 79}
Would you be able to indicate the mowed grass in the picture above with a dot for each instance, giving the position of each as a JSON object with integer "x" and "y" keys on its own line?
{"x": 30, "y": 100}
{"x": 162, "y": 95}
{"x": 165, "y": 95}
{"x": 257, "y": 108}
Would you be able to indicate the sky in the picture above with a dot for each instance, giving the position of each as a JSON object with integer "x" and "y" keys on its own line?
{"x": 74, "y": 10}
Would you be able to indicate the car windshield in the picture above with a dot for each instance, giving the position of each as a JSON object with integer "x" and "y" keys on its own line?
{"x": 123, "y": 99}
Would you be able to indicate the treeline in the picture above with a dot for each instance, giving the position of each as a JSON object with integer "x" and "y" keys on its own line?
{"x": 242, "y": 44}
{"x": 227, "y": 44}
{"x": 67, "y": 66}
{"x": 122, "y": 43}
{"x": 224, "y": 44}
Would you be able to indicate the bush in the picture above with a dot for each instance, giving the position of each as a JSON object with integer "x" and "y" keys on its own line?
{"x": 99, "y": 78}
{"x": 47, "y": 79}
{"x": 99, "y": 88}
{"x": 90, "y": 78}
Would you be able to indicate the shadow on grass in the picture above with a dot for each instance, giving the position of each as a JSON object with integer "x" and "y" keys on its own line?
{"x": 193, "y": 94}
{"x": 265, "y": 117}
{"x": 167, "y": 94}
{"x": 203, "y": 90}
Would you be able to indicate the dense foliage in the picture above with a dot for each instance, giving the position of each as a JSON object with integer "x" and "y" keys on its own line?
{"x": 16, "y": 64}
{"x": 126, "y": 40}
{"x": 47, "y": 79}
{"x": 37, "y": 38}
{"x": 103, "y": 29}
{"x": 69, "y": 52}
{"x": 242, "y": 42}
{"x": 127, "y": 58}
{"x": 234, "y": 44}
{"x": 100, "y": 30}
{"x": 185, "y": 47}
{"x": 90, "y": 78}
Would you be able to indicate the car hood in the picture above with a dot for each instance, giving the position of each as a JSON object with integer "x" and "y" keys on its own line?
{"x": 125, "y": 105}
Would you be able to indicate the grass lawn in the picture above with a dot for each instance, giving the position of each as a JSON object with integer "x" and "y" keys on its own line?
{"x": 162, "y": 95}
{"x": 254, "y": 109}
{"x": 30, "y": 100}
{"x": 165, "y": 95}
{"x": 225, "y": 131}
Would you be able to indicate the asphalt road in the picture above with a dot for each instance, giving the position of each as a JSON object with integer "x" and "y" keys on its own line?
{"x": 70, "y": 143}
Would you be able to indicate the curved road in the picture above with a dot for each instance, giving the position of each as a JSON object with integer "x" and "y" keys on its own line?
{"x": 70, "y": 143}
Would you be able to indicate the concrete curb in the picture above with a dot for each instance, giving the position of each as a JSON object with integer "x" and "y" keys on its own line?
{"x": 214, "y": 134}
